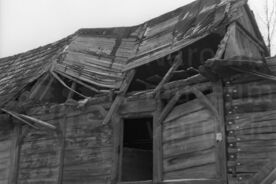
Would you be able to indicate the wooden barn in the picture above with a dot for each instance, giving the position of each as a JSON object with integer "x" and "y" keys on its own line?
{"x": 185, "y": 98}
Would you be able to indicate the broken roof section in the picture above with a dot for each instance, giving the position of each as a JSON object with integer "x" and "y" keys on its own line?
{"x": 101, "y": 57}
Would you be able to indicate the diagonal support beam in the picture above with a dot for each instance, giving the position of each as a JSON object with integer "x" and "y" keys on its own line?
{"x": 29, "y": 120}
{"x": 120, "y": 98}
{"x": 264, "y": 174}
{"x": 168, "y": 108}
{"x": 177, "y": 62}
{"x": 205, "y": 101}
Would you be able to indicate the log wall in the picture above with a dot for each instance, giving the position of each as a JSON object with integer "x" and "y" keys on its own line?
{"x": 250, "y": 116}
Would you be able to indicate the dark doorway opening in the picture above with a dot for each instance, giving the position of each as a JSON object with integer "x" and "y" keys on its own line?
{"x": 137, "y": 158}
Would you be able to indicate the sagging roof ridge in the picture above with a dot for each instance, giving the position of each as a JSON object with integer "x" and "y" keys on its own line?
{"x": 89, "y": 74}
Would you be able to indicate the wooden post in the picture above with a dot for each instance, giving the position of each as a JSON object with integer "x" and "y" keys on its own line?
{"x": 157, "y": 144}
{"x": 15, "y": 154}
{"x": 117, "y": 147}
{"x": 62, "y": 138}
{"x": 220, "y": 129}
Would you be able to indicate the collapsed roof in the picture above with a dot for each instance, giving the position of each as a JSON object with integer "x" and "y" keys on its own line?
{"x": 101, "y": 57}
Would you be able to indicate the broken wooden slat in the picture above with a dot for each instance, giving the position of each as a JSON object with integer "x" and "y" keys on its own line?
{"x": 23, "y": 118}
{"x": 79, "y": 82}
{"x": 39, "y": 122}
{"x": 66, "y": 86}
{"x": 16, "y": 116}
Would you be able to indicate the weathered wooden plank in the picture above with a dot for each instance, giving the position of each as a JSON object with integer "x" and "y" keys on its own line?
{"x": 55, "y": 112}
{"x": 250, "y": 89}
{"x": 248, "y": 165}
{"x": 189, "y": 146}
{"x": 253, "y": 104}
{"x": 206, "y": 102}
{"x": 245, "y": 118}
{"x": 252, "y": 137}
{"x": 197, "y": 159}
{"x": 257, "y": 130}
{"x": 81, "y": 156}
{"x": 186, "y": 119}
{"x": 166, "y": 94}
{"x": 93, "y": 60}
{"x": 145, "y": 105}
{"x": 192, "y": 129}
{"x": 119, "y": 99}
{"x": 205, "y": 171}
{"x": 182, "y": 110}
{"x": 41, "y": 174}
{"x": 262, "y": 173}
{"x": 160, "y": 27}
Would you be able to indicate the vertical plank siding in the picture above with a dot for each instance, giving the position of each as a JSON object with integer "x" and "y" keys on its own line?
{"x": 251, "y": 129}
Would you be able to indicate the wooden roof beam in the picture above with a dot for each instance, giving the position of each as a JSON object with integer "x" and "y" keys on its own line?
{"x": 177, "y": 62}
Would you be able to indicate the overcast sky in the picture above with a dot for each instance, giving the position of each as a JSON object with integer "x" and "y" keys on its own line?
{"x": 27, "y": 24}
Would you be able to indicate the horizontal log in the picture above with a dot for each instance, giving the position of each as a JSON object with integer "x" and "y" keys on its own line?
{"x": 255, "y": 137}
{"x": 248, "y": 165}
{"x": 252, "y": 117}
{"x": 250, "y": 89}
{"x": 254, "y": 104}
{"x": 252, "y": 150}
